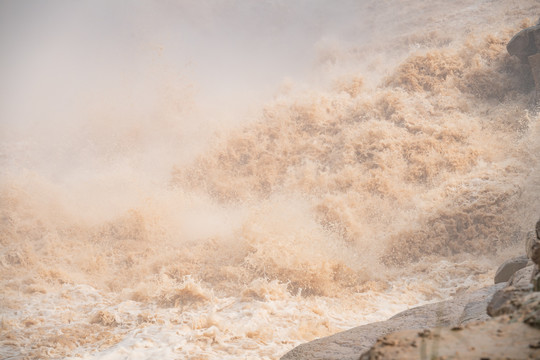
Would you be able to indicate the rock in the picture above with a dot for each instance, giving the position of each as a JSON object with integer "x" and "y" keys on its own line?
{"x": 521, "y": 280}
{"x": 533, "y": 245}
{"x": 526, "y": 46}
{"x": 352, "y": 343}
{"x": 513, "y": 334}
{"x": 533, "y": 242}
{"x": 504, "y": 302}
{"x": 535, "y": 281}
{"x": 477, "y": 310}
{"x": 534, "y": 63}
{"x": 523, "y": 44}
{"x": 530, "y": 309}
{"x": 499, "y": 338}
{"x": 509, "y": 267}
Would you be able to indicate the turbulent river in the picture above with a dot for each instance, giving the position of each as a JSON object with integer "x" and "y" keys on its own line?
{"x": 229, "y": 179}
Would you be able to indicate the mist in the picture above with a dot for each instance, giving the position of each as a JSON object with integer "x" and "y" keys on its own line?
{"x": 102, "y": 78}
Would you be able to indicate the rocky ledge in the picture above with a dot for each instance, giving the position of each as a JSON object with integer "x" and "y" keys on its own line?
{"x": 498, "y": 322}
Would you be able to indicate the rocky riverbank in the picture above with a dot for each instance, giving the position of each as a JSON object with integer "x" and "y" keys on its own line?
{"x": 497, "y": 322}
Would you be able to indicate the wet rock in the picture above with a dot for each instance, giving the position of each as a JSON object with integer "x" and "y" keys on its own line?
{"x": 533, "y": 247}
{"x": 533, "y": 242}
{"x": 523, "y": 307}
{"x": 521, "y": 280}
{"x": 526, "y": 46}
{"x": 505, "y": 301}
{"x": 534, "y": 63}
{"x": 509, "y": 267}
{"x": 524, "y": 43}
{"x": 476, "y": 310}
{"x": 529, "y": 311}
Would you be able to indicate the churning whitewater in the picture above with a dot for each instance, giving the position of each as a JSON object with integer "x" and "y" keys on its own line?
{"x": 230, "y": 179}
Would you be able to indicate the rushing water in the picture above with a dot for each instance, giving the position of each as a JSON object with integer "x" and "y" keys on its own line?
{"x": 229, "y": 179}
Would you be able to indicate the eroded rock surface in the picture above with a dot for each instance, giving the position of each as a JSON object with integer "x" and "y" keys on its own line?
{"x": 512, "y": 333}
{"x": 525, "y": 43}
{"x": 515, "y": 335}
{"x": 495, "y": 339}
{"x": 509, "y": 267}
{"x": 526, "y": 46}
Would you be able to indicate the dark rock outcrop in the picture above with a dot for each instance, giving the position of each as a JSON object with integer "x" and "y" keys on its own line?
{"x": 525, "y": 43}
{"x": 533, "y": 252}
{"x": 509, "y": 267}
{"x": 533, "y": 246}
{"x": 526, "y": 46}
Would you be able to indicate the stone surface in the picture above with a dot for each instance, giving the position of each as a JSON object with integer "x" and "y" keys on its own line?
{"x": 522, "y": 278}
{"x": 523, "y": 44}
{"x": 513, "y": 334}
{"x": 533, "y": 243}
{"x": 352, "y": 343}
{"x": 526, "y": 46}
{"x": 475, "y": 311}
{"x": 509, "y": 267}
{"x": 530, "y": 309}
{"x": 504, "y": 301}
{"x": 533, "y": 248}
{"x": 499, "y": 338}
{"x": 534, "y": 63}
